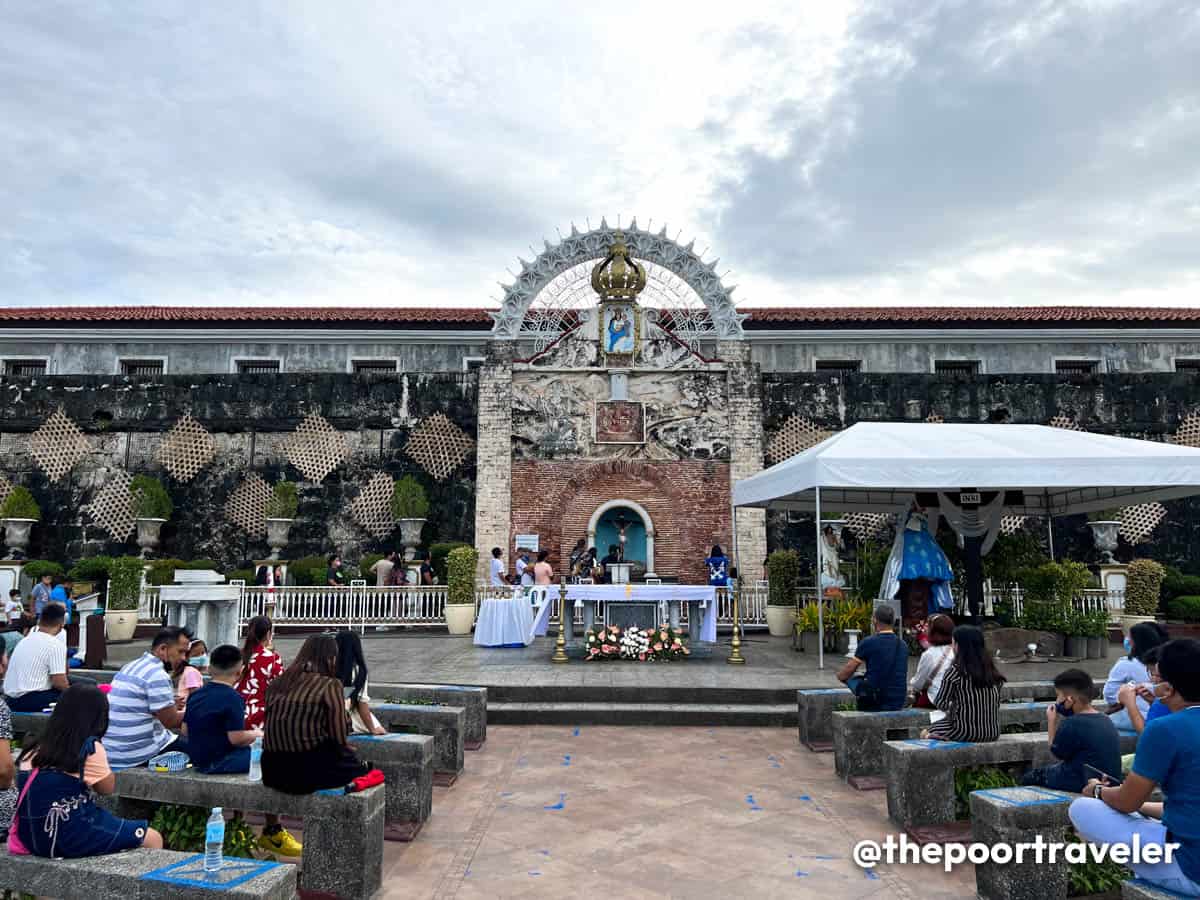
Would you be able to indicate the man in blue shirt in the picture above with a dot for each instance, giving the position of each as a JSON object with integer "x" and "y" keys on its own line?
{"x": 884, "y": 653}
{"x": 62, "y": 594}
{"x": 1079, "y": 734}
{"x": 41, "y": 593}
{"x": 1168, "y": 754}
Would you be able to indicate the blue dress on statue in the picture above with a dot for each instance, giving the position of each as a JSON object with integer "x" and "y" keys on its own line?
{"x": 923, "y": 558}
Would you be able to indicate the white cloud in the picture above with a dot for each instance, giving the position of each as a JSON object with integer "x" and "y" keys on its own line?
{"x": 315, "y": 153}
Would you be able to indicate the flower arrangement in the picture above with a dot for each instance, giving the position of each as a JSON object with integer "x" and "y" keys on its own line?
{"x": 640, "y": 644}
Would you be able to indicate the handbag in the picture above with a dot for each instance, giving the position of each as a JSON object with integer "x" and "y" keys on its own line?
{"x": 15, "y": 845}
{"x": 923, "y": 700}
{"x": 868, "y": 693}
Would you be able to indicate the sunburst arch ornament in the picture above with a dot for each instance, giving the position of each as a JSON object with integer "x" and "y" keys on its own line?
{"x": 675, "y": 275}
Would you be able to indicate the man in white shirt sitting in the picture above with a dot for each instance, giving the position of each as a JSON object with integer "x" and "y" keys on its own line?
{"x": 37, "y": 672}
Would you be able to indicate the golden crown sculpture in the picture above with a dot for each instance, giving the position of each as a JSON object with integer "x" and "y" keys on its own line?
{"x": 618, "y": 276}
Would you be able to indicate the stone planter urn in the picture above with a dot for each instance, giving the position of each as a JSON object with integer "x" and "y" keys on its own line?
{"x": 147, "y": 534}
{"x": 277, "y": 535}
{"x": 410, "y": 536}
{"x": 16, "y": 535}
{"x": 1104, "y": 537}
{"x": 781, "y": 620}
{"x": 119, "y": 625}
{"x": 459, "y": 616}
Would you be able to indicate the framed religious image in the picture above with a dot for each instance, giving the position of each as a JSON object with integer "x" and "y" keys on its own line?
{"x": 620, "y": 331}
{"x": 619, "y": 422}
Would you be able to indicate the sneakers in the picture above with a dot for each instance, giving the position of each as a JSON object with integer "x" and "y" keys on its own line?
{"x": 281, "y": 844}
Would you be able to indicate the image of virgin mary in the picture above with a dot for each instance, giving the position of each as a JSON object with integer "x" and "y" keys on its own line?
{"x": 619, "y": 332}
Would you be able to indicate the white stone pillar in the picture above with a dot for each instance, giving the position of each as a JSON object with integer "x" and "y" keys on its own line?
{"x": 493, "y": 468}
{"x": 744, "y": 383}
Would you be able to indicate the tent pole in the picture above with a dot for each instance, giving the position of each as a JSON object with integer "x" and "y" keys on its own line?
{"x": 820, "y": 604}
{"x": 1049, "y": 523}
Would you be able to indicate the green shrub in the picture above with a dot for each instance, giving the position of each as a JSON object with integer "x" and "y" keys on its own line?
{"x": 872, "y": 560}
{"x": 369, "y": 560}
{"x": 36, "y": 568}
{"x": 162, "y": 571}
{"x": 124, "y": 584}
{"x": 1091, "y": 877}
{"x": 246, "y": 575}
{"x": 1112, "y": 514}
{"x": 310, "y": 570}
{"x": 1095, "y": 623}
{"x": 19, "y": 504}
{"x": 183, "y": 828}
{"x": 783, "y": 574}
{"x": 284, "y": 501}
{"x": 1176, "y": 584}
{"x": 976, "y": 779}
{"x": 460, "y": 575}
{"x": 1050, "y": 591}
{"x": 151, "y": 500}
{"x": 408, "y": 499}
{"x": 94, "y": 568}
{"x": 1143, "y": 587}
{"x": 438, "y": 554}
{"x": 1186, "y": 608}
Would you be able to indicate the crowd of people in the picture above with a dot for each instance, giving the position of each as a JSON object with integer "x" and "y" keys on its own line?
{"x": 176, "y": 697}
{"x": 1152, "y": 690}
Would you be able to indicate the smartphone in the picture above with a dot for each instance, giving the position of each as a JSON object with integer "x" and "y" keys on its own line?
{"x": 1112, "y": 779}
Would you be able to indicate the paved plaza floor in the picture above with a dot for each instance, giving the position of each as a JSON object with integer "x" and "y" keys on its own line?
{"x": 556, "y": 811}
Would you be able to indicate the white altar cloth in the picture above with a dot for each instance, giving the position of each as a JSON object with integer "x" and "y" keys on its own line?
{"x": 702, "y": 595}
{"x": 504, "y": 622}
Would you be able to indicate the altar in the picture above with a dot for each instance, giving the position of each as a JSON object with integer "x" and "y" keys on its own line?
{"x": 643, "y": 605}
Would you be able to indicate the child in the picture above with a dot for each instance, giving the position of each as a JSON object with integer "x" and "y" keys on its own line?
{"x": 1079, "y": 735}
{"x": 218, "y": 740}
{"x": 57, "y": 815}
{"x": 187, "y": 677}
{"x": 14, "y": 609}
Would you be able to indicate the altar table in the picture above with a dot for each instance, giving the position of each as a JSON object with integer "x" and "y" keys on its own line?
{"x": 702, "y": 619}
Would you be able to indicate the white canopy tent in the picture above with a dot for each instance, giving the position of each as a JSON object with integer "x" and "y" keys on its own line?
{"x": 1032, "y": 470}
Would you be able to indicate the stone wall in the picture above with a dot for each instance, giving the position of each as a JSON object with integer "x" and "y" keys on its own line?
{"x": 687, "y": 500}
{"x": 493, "y": 506}
{"x": 249, "y": 418}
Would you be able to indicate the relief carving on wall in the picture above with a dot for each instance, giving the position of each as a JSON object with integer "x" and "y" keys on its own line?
{"x": 620, "y": 422}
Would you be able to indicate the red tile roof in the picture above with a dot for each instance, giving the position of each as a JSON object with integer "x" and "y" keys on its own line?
{"x": 478, "y": 319}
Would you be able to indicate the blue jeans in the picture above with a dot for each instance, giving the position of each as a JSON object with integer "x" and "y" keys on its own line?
{"x": 236, "y": 762}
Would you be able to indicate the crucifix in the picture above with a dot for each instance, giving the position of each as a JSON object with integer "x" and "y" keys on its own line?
{"x": 622, "y": 524}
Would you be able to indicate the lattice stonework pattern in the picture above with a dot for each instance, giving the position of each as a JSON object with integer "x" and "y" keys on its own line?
{"x": 58, "y": 445}
{"x": 796, "y": 435}
{"x": 186, "y": 449}
{"x": 1188, "y": 433}
{"x": 1011, "y": 524}
{"x": 1061, "y": 421}
{"x": 866, "y": 526}
{"x": 1138, "y": 522}
{"x": 316, "y": 448}
{"x": 439, "y": 446}
{"x": 935, "y": 419}
{"x": 372, "y": 508}
{"x": 5, "y": 488}
{"x": 112, "y": 508}
{"x": 247, "y": 505}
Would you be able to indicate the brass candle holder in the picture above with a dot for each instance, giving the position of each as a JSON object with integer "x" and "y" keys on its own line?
{"x": 560, "y": 645}
{"x": 735, "y": 648}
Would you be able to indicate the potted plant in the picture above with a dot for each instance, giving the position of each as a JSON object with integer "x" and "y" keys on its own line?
{"x": 88, "y": 574}
{"x": 410, "y": 506}
{"x": 281, "y": 513}
{"x": 1096, "y": 624}
{"x": 19, "y": 511}
{"x": 1106, "y": 528}
{"x": 808, "y": 627}
{"x": 1143, "y": 589}
{"x": 124, "y": 591}
{"x": 460, "y": 592}
{"x": 152, "y": 508}
{"x": 783, "y": 590}
{"x": 1075, "y": 627}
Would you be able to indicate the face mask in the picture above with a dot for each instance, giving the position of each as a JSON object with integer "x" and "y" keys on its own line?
{"x": 1127, "y": 644}
{"x": 199, "y": 661}
{"x": 1061, "y": 709}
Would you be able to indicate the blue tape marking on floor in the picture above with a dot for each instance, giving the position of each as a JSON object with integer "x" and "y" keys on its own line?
{"x": 870, "y": 873}
{"x": 190, "y": 873}
{"x": 805, "y": 798}
{"x": 566, "y": 759}
{"x": 506, "y": 793}
{"x": 801, "y": 874}
{"x": 930, "y": 744}
{"x": 332, "y": 792}
{"x": 754, "y": 807}
{"x": 826, "y": 691}
{"x": 822, "y": 857}
{"x": 559, "y": 805}
{"x": 1046, "y": 797}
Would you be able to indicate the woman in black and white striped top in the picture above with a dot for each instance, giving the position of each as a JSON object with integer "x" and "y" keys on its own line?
{"x": 970, "y": 693}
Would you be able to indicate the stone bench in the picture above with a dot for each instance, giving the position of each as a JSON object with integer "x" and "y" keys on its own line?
{"x": 858, "y": 737}
{"x": 471, "y": 699}
{"x": 28, "y": 724}
{"x": 1019, "y": 815}
{"x": 406, "y": 761}
{"x": 920, "y": 773}
{"x": 343, "y": 833}
{"x": 160, "y": 874}
{"x": 444, "y": 723}
{"x": 1144, "y": 890}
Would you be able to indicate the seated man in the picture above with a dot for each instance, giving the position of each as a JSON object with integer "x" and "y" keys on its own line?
{"x": 1079, "y": 734}
{"x": 142, "y": 703}
{"x": 1168, "y": 754}
{"x": 218, "y": 740}
{"x": 884, "y": 653}
{"x": 614, "y": 557}
{"x": 37, "y": 671}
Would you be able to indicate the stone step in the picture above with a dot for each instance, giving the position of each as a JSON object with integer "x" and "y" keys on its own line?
{"x": 662, "y": 694}
{"x": 750, "y": 715}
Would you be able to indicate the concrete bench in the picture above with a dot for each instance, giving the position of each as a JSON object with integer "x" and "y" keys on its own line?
{"x": 1012, "y": 691}
{"x": 920, "y": 773}
{"x": 139, "y": 874}
{"x": 343, "y": 833}
{"x": 28, "y": 724}
{"x": 815, "y": 708}
{"x": 444, "y": 723}
{"x": 1019, "y": 815}
{"x": 406, "y": 761}
{"x": 471, "y": 699}
{"x": 858, "y": 737}
{"x": 1144, "y": 890}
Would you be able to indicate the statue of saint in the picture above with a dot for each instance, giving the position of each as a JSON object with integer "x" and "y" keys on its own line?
{"x": 622, "y": 525}
{"x": 831, "y": 574}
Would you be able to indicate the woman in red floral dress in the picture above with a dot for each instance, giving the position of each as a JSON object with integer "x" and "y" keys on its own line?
{"x": 261, "y": 665}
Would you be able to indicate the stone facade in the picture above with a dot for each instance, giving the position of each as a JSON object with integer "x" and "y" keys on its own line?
{"x": 493, "y": 497}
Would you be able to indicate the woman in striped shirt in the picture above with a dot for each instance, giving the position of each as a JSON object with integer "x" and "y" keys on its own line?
{"x": 305, "y": 748}
{"x": 970, "y": 692}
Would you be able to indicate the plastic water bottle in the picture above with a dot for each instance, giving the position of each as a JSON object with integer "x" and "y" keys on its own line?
{"x": 256, "y": 760}
{"x": 214, "y": 841}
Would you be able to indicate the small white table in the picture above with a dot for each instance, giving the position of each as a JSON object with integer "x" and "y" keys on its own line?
{"x": 504, "y": 622}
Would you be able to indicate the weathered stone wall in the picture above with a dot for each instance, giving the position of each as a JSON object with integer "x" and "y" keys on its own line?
{"x": 249, "y": 418}
{"x": 493, "y": 505}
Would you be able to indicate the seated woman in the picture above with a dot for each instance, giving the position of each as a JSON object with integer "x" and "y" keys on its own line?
{"x": 970, "y": 693}
{"x": 57, "y": 815}
{"x": 352, "y": 672}
{"x": 1131, "y": 669}
{"x": 931, "y": 670}
{"x": 306, "y": 745}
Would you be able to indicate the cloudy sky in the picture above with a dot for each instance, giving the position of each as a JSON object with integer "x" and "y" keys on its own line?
{"x": 396, "y": 153}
